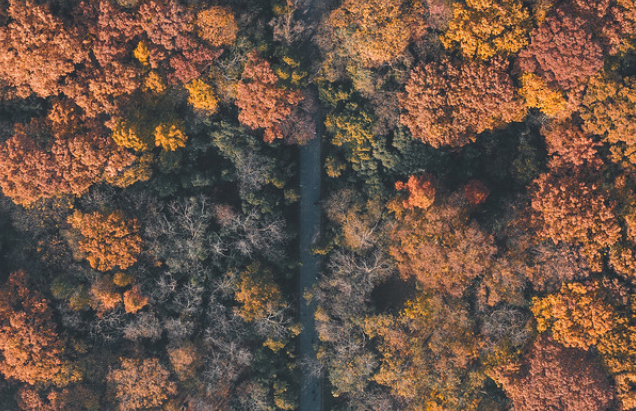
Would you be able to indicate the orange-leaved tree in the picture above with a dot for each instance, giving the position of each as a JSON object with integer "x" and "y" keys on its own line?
{"x": 421, "y": 191}
{"x": 217, "y": 26}
{"x": 32, "y": 169}
{"x": 448, "y": 103}
{"x": 107, "y": 239}
{"x": 263, "y": 103}
{"x": 570, "y": 203}
{"x": 32, "y": 351}
{"x": 134, "y": 300}
{"x": 36, "y": 50}
{"x": 440, "y": 246}
{"x": 375, "y": 32}
{"x": 141, "y": 384}
{"x": 104, "y": 296}
{"x": 575, "y": 209}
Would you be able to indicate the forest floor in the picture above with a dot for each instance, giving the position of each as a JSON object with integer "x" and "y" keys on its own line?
{"x": 310, "y": 173}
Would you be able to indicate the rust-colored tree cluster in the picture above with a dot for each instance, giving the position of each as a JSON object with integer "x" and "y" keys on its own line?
{"x": 554, "y": 377}
{"x": 45, "y": 159}
{"x": 570, "y": 203}
{"x": 563, "y": 51}
{"x": 263, "y": 103}
{"x": 32, "y": 351}
{"x": 37, "y": 51}
{"x": 449, "y": 103}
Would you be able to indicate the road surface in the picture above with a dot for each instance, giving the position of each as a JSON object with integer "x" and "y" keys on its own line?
{"x": 310, "y": 170}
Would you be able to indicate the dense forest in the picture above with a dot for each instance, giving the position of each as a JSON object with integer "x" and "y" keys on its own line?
{"x": 478, "y": 237}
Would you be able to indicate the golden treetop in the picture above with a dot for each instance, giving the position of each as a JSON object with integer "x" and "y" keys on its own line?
{"x": 107, "y": 239}
{"x": 485, "y": 28}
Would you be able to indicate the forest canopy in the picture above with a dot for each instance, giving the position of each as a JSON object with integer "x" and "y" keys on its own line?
{"x": 409, "y": 204}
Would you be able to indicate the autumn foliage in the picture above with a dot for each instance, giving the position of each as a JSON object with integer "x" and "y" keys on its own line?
{"x": 32, "y": 169}
{"x": 36, "y": 50}
{"x": 554, "y": 377}
{"x": 107, "y": 239}
{"x": 608, "y": 109}
{"x": 170, "y": 135}
{"x": 263, "y": 103}
{"x": 104, "y": 296}
{"x": 436, "y": 374}
{"x": 375, "y": 32}
{"x": 134, "y": 300}
{"x": 479, "y": 242}
{"x": 562, "y": 51}
{"x": 421, "y": 191}
{"x": 440, "y": 248}
{"x": 485, "y": 28}
{"x": 258, "y": 294}
{"x": 577, "y": 317}
{"x": 32, "y": 351}
{"x": 570, "y": 203}
{"x": 449, "y": 104}
{"x": 201, "y": 96}
{"x": 575, "y": 210}
{"x": 537, "y": 93}
{"x": 141, "y": 384}
{"x": 476, "y": 192}
{"x": 217, "y": 26}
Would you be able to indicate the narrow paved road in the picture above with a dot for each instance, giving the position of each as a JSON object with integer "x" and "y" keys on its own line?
{"x": 310, "y": 169}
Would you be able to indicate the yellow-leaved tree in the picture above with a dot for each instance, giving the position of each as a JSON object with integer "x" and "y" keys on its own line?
{"x": 577, "y": 316}
{"x": 129, "y": 134}
{"x": 485, "y": 28}
{"x": 538, "y": 94}
{"x": 258, "y": 294}
{"x": 201, "y": 96}
{"x": 608, "y": 109}
{"x": 170, "y": 135}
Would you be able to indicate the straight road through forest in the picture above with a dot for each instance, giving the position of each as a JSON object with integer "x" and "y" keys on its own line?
{"x": 310, "y": 169}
